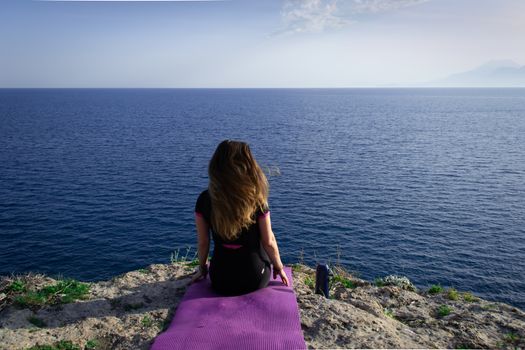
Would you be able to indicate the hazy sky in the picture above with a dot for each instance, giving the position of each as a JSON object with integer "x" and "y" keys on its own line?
{"x": 245, "y": 43}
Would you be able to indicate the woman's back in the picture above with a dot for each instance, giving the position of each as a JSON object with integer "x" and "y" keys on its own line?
{"x": 241, "y": 265}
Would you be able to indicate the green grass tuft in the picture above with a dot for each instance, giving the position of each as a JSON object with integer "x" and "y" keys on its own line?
{"x": 177, "y": 257}
{"x": 378, "y": 281}
{"x": 296, "y": 267}
{"x": 30, "y": 299}
{"x": 309, "y": 281}
{"x": 193, "y": 263}
{"x": 144, "y": 271}
{"x": 435, "y": 289}
{"x": 61, "y": 345}
{"x": 389, "y": 313}
{"x": 91, "y": 344}
{"x": 511, "y": 338}
{"x": 444, "y": 310}
{"x": 469, "y": 297}
{"x": 67, "y": 290}
{"x": 452, "y": 294}
{"x": 346, "y": 282}
{"x": 62, "y": 292}
{"x": 146, "y": 321}
{"x": 17, "y": 286}
{"x": 489, "y": 306}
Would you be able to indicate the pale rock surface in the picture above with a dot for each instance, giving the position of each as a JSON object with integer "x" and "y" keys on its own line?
{"x": 362, "y": 317}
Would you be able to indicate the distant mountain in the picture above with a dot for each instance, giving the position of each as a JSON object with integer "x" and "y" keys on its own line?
{"x": 491, "y": 74}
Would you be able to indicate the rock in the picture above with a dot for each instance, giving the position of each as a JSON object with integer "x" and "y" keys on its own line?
{"x": 392, "y": 316}
{"x": 399, "y": 281}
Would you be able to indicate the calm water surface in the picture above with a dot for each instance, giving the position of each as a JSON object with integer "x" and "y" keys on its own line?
{"x": 429, "y": 183}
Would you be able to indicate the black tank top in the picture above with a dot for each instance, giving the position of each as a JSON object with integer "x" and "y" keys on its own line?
{"x": 249, "y": 237}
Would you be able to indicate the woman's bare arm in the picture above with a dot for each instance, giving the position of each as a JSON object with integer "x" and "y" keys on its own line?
{"x": 203, "y": 243}
{"x": 270, "y": 246}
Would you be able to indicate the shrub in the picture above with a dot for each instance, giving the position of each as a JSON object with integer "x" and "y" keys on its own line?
{"x": 309, "y": 281}
{"x": 435, "y": 289}
{"x": 378, "y": 281}
{"x": 511, "y": 337}
{"x": 444, "y": 310}
{"x": 17, "y": 286}
{"x": 91, "y": 344}
{"x": 64, "y": 291}
{"x": 452, "y": 294}
{"x": 296, "y": 267}
{"x": 346, "y": 282}
{"x": 469, "y": 297}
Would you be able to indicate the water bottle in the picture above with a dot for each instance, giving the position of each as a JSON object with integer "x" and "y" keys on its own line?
{"x": 322, "y": 279}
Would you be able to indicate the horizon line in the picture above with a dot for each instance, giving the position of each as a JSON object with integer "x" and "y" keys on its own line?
{"x": 256, "y": 88}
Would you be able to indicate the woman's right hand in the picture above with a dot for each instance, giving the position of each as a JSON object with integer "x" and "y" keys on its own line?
{"x": 280, "y": 272}
{"x": 202, "y": 272}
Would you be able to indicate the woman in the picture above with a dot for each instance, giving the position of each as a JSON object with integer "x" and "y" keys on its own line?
{"x": 235, "y": 209}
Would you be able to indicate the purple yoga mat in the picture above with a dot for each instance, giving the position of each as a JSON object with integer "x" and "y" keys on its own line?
{"x": 265, "y": 319}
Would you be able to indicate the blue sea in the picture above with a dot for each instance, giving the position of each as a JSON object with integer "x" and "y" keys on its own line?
{"x": 427, "y": 183}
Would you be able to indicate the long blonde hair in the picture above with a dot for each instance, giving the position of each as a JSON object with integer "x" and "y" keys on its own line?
{"x": 237, "y": 187}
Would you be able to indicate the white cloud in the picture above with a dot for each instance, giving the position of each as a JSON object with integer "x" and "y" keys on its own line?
{"x": 314, "y": 16}
{"x": 300, "y": 16}
{"x": 375, "y": 6}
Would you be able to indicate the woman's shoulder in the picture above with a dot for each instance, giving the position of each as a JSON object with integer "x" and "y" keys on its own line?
{"x": 204, "y": 196}
{"x": 203, "y": 202}
{"x": 262, "y": 211}
{"x": 205, "y": 193}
